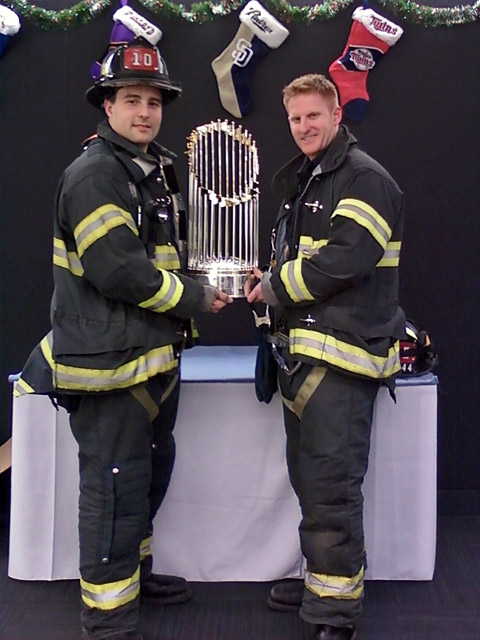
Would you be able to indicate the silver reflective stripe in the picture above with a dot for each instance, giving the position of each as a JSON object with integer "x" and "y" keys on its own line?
{"x": 340, "y": 587}
{"x": 166, "y": 257}
{"x": 145, "y": 548}
{"x": 98, "y": 223}
{"x": 168, "y": 296}
{"x": 291, "y": 276}
{"x": 110, "y": 596}
{"x": 66, "y": 259}
{"x": 365, "y": 215}
{"x": 344, "y": 355}
{"x": 139, "y": 370}
{"x": 309, "y": 247}
{"x": 293, "y": 283}
{"x": 391, "y": 257}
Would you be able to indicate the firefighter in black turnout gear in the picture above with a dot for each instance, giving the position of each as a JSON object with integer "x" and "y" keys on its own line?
{"x": 333, "y": 288}
{"x": 120, "y": 317}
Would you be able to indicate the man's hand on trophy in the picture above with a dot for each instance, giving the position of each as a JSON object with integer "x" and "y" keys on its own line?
{"x": 220, "y": 300}
{"x": 253, "y": 286}
{"x": 252, "y": 281}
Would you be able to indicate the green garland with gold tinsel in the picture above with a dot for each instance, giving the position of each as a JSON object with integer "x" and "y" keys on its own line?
{"x": 199, "y": 12}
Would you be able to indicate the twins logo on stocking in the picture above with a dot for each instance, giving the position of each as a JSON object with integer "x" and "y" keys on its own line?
{"x": 370, "y": 38}
{"x": 258, "y": 33}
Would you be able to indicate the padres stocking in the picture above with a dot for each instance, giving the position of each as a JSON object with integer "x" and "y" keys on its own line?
{"x": 258, "y": 33}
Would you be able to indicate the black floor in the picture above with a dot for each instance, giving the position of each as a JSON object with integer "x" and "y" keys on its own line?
{"x": 447, "y": 608}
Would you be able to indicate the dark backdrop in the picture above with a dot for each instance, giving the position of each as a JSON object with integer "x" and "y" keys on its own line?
{"x": 422, "y": 124}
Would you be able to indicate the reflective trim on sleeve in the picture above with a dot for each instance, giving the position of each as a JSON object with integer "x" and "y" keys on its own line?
{"x": 366, "y": 216}
{"x": 168, "y": 296}
{"x": 343, "y": 355}
{"x": 391, "y": 257}
{"x": 292, "y": 279}
{"x": 66, "y": 259}
{"x": 307, "y": 246}
{"x": 339, "y": 587}
{"x": 166, "y": 257}
{"x": 98, "y": 223}
{"x": 146, "y": 548}
{"x": 112, "y": 594}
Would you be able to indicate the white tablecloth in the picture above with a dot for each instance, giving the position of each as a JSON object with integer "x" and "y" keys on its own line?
{"x": 230, "y": 513}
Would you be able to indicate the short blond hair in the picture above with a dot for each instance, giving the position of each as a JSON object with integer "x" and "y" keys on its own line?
{"x": 311, "y": 83}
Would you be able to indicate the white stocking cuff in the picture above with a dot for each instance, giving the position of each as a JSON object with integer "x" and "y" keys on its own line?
{"x": 379, "y": 26}
{"x": 9, "y": 22}
{"x": 140, "y": 26}
{"x": 263, "y": 24}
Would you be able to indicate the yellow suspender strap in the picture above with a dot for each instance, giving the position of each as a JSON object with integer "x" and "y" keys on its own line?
{"x": 169, "y": 389}
{"x": 141, "y": 394}
{"x": 306, "y": 391}
{"x": 145, "y": 399}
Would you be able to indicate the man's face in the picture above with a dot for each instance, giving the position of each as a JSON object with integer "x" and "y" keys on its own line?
{"x": 313, "y": 122}
{"x": 136, "y": 113}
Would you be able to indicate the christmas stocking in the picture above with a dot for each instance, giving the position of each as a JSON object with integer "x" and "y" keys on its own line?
{"x": 258, "y": 33}
{"x": 370, "y": 37}
{"x": 128, "y": 24}
{"x": 9, "y": 26}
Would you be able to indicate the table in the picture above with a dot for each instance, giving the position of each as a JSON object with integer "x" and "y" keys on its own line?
{"x": 230, "y": 513}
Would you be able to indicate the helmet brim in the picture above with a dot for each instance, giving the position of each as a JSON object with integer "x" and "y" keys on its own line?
{"x": 95, "y": 95}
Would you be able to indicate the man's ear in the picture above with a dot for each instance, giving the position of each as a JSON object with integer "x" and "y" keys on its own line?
{"x": 337, "y": 114}
{"x": 107, "y": 107}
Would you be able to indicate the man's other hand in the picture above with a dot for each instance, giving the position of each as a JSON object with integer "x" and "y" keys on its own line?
{"x": 220, "y": 300}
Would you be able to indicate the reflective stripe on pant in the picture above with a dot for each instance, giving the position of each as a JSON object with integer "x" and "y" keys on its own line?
{"x": 328, "y": 418}
{"x": 116, "y": 452}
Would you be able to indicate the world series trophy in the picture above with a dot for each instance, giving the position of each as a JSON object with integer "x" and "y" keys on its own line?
{"x": 223, "y": 198}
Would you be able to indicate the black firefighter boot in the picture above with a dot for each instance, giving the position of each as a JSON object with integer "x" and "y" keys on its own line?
{"x": 286, "y": 596}
{"x": 132, "y": 635}
{"x": 162, "y": 589}
{"x": 326, "y": 632}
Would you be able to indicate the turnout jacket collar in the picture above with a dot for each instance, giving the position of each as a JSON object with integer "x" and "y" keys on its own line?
{"x": 139, "y": 163}
{"x": 285, "y": 181}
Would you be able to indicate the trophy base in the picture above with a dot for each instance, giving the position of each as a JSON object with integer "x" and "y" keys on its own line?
{"x": 230, "y": 283}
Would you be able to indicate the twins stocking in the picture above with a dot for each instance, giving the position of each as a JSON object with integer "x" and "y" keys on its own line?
{"x": 370, "y": 38}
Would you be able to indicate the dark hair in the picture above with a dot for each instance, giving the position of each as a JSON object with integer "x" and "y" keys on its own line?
{"x": 110, "y": 93}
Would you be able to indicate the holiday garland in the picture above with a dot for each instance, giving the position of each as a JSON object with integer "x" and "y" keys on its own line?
{"x": 199, "y": 12}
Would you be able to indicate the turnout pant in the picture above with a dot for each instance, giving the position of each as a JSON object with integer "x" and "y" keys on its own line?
{"x": 126, "y": 456}
{"x": 328, "y": 418}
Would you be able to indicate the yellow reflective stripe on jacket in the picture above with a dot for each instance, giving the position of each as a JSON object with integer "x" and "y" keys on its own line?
{"x": 340, "y": 587}
{"x": 66, "y": 259}
{"x": 168, "y": 296}
{"x": 112, "y": 594}
{"x": 46, "y": 347}
{"x": 292, "y": 279}
{"x": 146, "y": 548}
{"x": 98, "y": 223}
{"x": 344, "y": 355}
{"x": 308, "y": 247}
{"x": 157, "y": 360}
{"x": 21, "y": 388}
{"x": 166, "y": 257}
{"x": 391, "y": 257}
{"x": 366, "y": 216}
